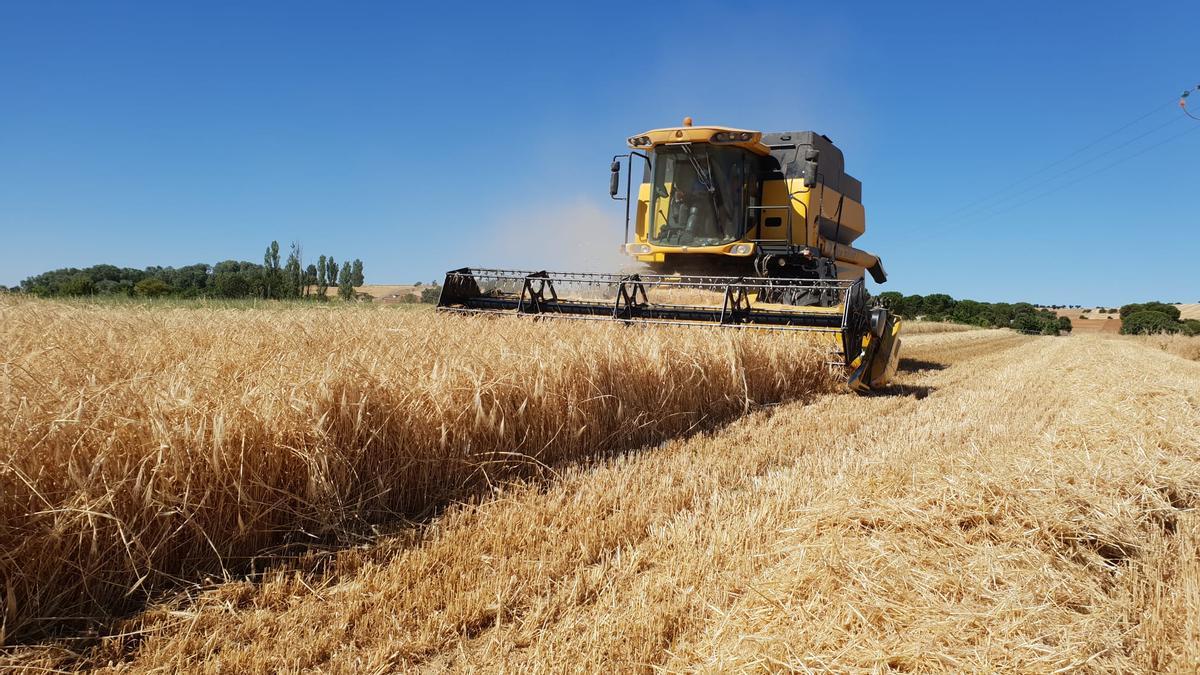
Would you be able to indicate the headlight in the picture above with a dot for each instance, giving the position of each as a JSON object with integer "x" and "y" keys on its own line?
{"x": 638, "y": 249}
{"x": 731, "y": 136}
{"x": 639, "y": 141}
{"x": 742, "y": 249}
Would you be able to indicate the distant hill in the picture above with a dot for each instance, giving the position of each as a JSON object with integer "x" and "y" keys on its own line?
{"x": 1189, "y": 311}
{"x": 1100, "y": 323}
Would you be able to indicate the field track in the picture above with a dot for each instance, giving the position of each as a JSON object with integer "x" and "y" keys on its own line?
{"x": 1014, "y": 503}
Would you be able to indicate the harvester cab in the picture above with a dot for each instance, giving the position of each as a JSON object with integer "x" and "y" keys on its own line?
{"x": 731, "y": 228}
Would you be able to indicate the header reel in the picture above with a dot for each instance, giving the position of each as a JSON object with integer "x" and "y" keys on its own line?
{"x": 866, "y": 339}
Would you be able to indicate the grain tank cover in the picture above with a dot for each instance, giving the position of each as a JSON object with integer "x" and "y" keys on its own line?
{"x": 792, "y": 148}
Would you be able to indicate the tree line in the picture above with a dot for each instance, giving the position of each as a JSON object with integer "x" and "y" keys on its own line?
{"x": 1022, "y": 316}
{"x": 1149, "y": 318}
{"x": 292, "y": 279}
{"x": 1136, "y": 319}
{"x": 227, "y": 279}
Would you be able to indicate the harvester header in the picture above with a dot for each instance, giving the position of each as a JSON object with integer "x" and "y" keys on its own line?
{"x": 732, "y": 228}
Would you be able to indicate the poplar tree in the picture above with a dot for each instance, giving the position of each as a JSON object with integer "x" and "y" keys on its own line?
{"x": 346, "y": 282}
{"x": 271, "y": 275}
{"x": 322, "y": 277}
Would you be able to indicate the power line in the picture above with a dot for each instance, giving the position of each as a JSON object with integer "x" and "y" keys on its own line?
{"x": 1057, "y": 188}
{"x": 1003, "y": 191}
{"x": 985, "y": 211}
{"x": 1183, "y": 102}
{"x": 1010, "y": 195}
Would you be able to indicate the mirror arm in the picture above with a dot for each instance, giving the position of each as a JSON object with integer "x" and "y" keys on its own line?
{"x": 614, "y": 181}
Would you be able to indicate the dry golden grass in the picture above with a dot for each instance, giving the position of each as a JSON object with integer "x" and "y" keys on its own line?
{"x": 377, "y": 291}
{"x": 382, "y": 293}
{"x": 1179, "y": 345}
{"x": 1015, "y": 504}
{"x": 141, "y": 445}
{"x": 927, "y": 327}
{"x": 1189, "y": 310}
{"x": 685, "y": 296}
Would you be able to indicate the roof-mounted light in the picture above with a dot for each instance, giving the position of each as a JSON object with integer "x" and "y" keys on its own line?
{"x": 639, "y": 141}
{"x": 732, "y": 136}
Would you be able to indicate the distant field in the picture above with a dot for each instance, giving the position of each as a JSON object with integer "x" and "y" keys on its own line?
{"x": 925, "y": 327}
{"x": 1100, "y": 323}
{"x": 1189, "y": 311}
{"x": 1094, "y": 323}
{"x": 384, "y": 292}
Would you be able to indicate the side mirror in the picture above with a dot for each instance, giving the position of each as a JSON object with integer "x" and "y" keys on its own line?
{"x": 810, "y": 174}
{"x": 811, "y": 163}
{"x": 614, "y": 180}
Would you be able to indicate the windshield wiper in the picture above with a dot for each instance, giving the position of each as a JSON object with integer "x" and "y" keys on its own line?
{"x": 706, "y": 178}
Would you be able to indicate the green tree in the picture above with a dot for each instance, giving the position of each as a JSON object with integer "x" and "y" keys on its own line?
{"x": 188, "y": 281}
{"x": 345, "y": 282}
{"x": 78, "y": 284}
{"x": 1148, "y": 323}
{"x": 152, "y": 287}
{"x": 331, "y": 271}
{"x": 310, "y": 278}
{"x": 1171, "y": 311}
{"x": 109, "y": 287}
{"x": 1191, "y": 327}
{"x": 234, "y": 279}
{"x": 1064, "y": 324}
{"x": 937, "y": 305}
{"x": 272, "y": 276}
{"x": 293, "y": 273}
{"x": 968, "y": 311}
{"x": 431, "y": 294}
{"x": 356, "y": 273}
{"x": 911, "y": 306}
{"x": 1028, "y": 323}
{"x": 231, "y": 285}
{"x": 892, "y": 300}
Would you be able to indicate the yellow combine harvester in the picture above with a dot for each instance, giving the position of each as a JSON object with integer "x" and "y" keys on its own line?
{"x": 733, "y": 228}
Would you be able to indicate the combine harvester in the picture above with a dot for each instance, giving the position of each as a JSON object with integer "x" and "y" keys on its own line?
{"x": 734, "y": 228}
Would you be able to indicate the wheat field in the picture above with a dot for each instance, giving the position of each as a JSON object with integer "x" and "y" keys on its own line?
{"x": 926, "y": 327}
{"x": 145, "y": 446}
{"x": 1014, "y": 503}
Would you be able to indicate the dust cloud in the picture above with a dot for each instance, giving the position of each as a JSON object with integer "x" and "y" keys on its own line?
{"x": 575, "y": 236}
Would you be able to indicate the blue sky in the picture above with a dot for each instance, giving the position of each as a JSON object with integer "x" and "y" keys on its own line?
{"x": 426, "y": 138}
